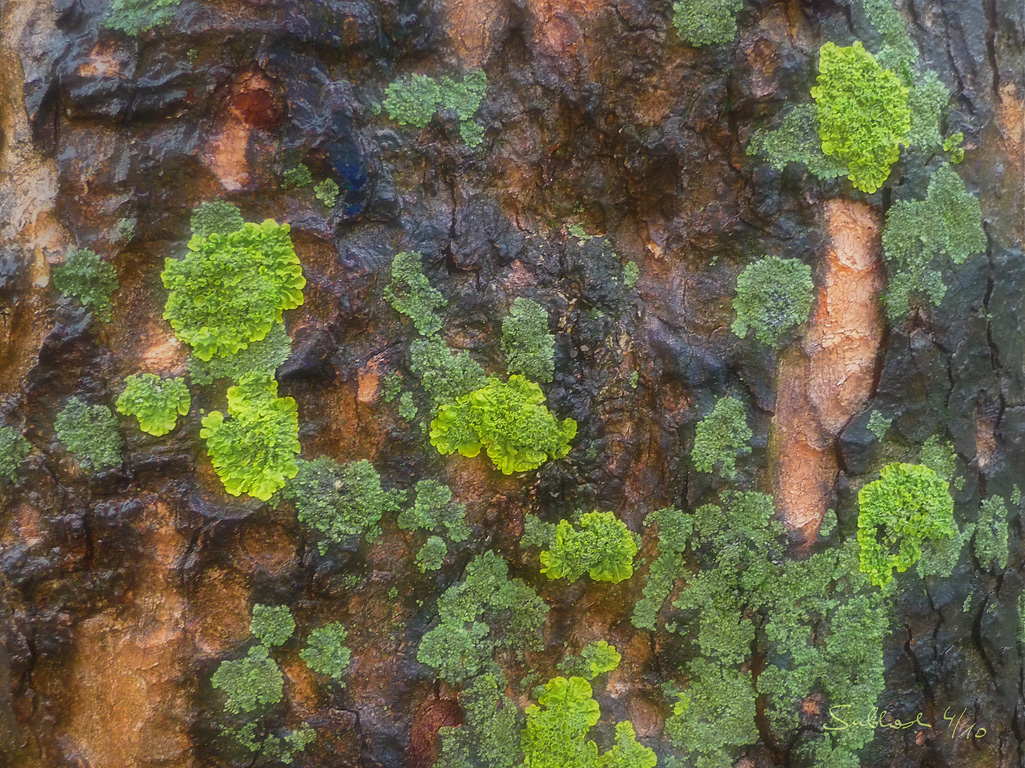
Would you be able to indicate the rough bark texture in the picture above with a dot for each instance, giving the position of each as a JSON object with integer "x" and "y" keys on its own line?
{"x": 121, "y": 593}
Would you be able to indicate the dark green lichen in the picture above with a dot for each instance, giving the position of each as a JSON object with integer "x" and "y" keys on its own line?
{"x": 340, "y": 501}
{"x": 773, "y": 296}
{"x": 294, "y": 178}
{"x": 326, "y": 653}
{"x": 796, "y": 140}
{"x": 216, "y": 218}
{"x": 252, "y": 683}
{"x": 90, "y": 434}
{"x": 707, "y": 22}
{"x": 721, "y": 437}
{"x": 528, "y": 347}
{"x": 410, "y": 293}
{"x": 14, "y": 449}
{"x": 272, "y": 624}
{"x": 264, "y": 356}
{"x": 85, "y": 276}
{"x": 135, "y": 16}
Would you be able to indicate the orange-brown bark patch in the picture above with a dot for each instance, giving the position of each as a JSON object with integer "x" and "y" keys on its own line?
{"x": 830, "y": 377}
{"x": 473, "y": 26}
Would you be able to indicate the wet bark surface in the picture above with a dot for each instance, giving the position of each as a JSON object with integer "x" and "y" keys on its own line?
{"x": 121, "y": 593}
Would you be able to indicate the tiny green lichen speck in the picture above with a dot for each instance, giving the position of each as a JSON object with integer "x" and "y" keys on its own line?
{"x": 773, "y": 296}
{"x": 155, "y": 402}
{"x": 14, "y": 449}
{"x": 707, "y": 22}
{"x": 947, "y": 223}
{"x": 339, "y": 501}
{"x": 85, "y": 276}
{"x": 252, "y": 683}
{"x": 906, "y": 506}
{"x": 863, "y": 113}
{"x": 326, "y": 653}
{"x": 272, "y": 624}
{"x": 721, "y": 437}
{"x": 254, "y": 450}
{"x": 410, "y": 293}
{"x": 528, "y": 347}
{"x": 90, "y": 434}
{"x": 603, "y": 548}
{"x": 230, "y": 290}
{"x": 510, "y": 420}
{"x": 135, "y": 16}
{"x": 216, "y": 218}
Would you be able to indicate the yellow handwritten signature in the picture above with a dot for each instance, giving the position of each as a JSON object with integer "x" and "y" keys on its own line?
{"x": 878, "y": 720}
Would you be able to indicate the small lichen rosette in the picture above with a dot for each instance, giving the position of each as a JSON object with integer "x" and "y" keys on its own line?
{"x": 230, "y": 290}
{"x": 508, "y": 419}
{"x": 155, "y": 402}
{"x": 254, "y": 451}
{"x": 603, "y": 548}
{"x": 907, "y": 505}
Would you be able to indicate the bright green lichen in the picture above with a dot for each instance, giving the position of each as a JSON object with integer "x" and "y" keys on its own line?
{"x": 412, "y": 101}
{"x": 432, "y": 554}
{"x": 326, "y": 653}
{"x": 707, "y": 22}
{"x": 411, "y": 294}
{"x": 862, "y": 111}
{"x": 135, "y": 16}
{"x": 773, "y": 296}
{"x": 796, "y": 140}
{"x": 906, "y": 506}
{"x": 155, "y": 402}
{"x": 528, "y": 347}
{"x": 947, "y": 223}
{"x": 721, "y": 437}
{"x": 90, "y": 434}
{"x": 327, "y": 192}
{"x": 299, "y": 176}
{"x": 216, "y": 218}
{"x": 434, "y": 509}
{"x": 991, "y": 534}
{"x": 339, "y": 501}
{"x": 85, "y": 276}
{"x": 251, "y": 683}
{"x": 508, "y": 419}
{"x": 603, "y": 548}
{"x": 254, "y": 450}
{"x": 485, "y": 612}
{"x": 14, "y": 449}
{"x": 263, "y": 356}
{"x": 556, "y": 732}
{"x": 272, "y": 624}
{"x": 230, "y": 290}
{"x": 952, "y": 144}
{"x": 595, "y": 659}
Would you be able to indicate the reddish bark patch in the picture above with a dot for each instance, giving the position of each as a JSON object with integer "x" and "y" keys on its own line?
{"x": 429, "y": 718}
